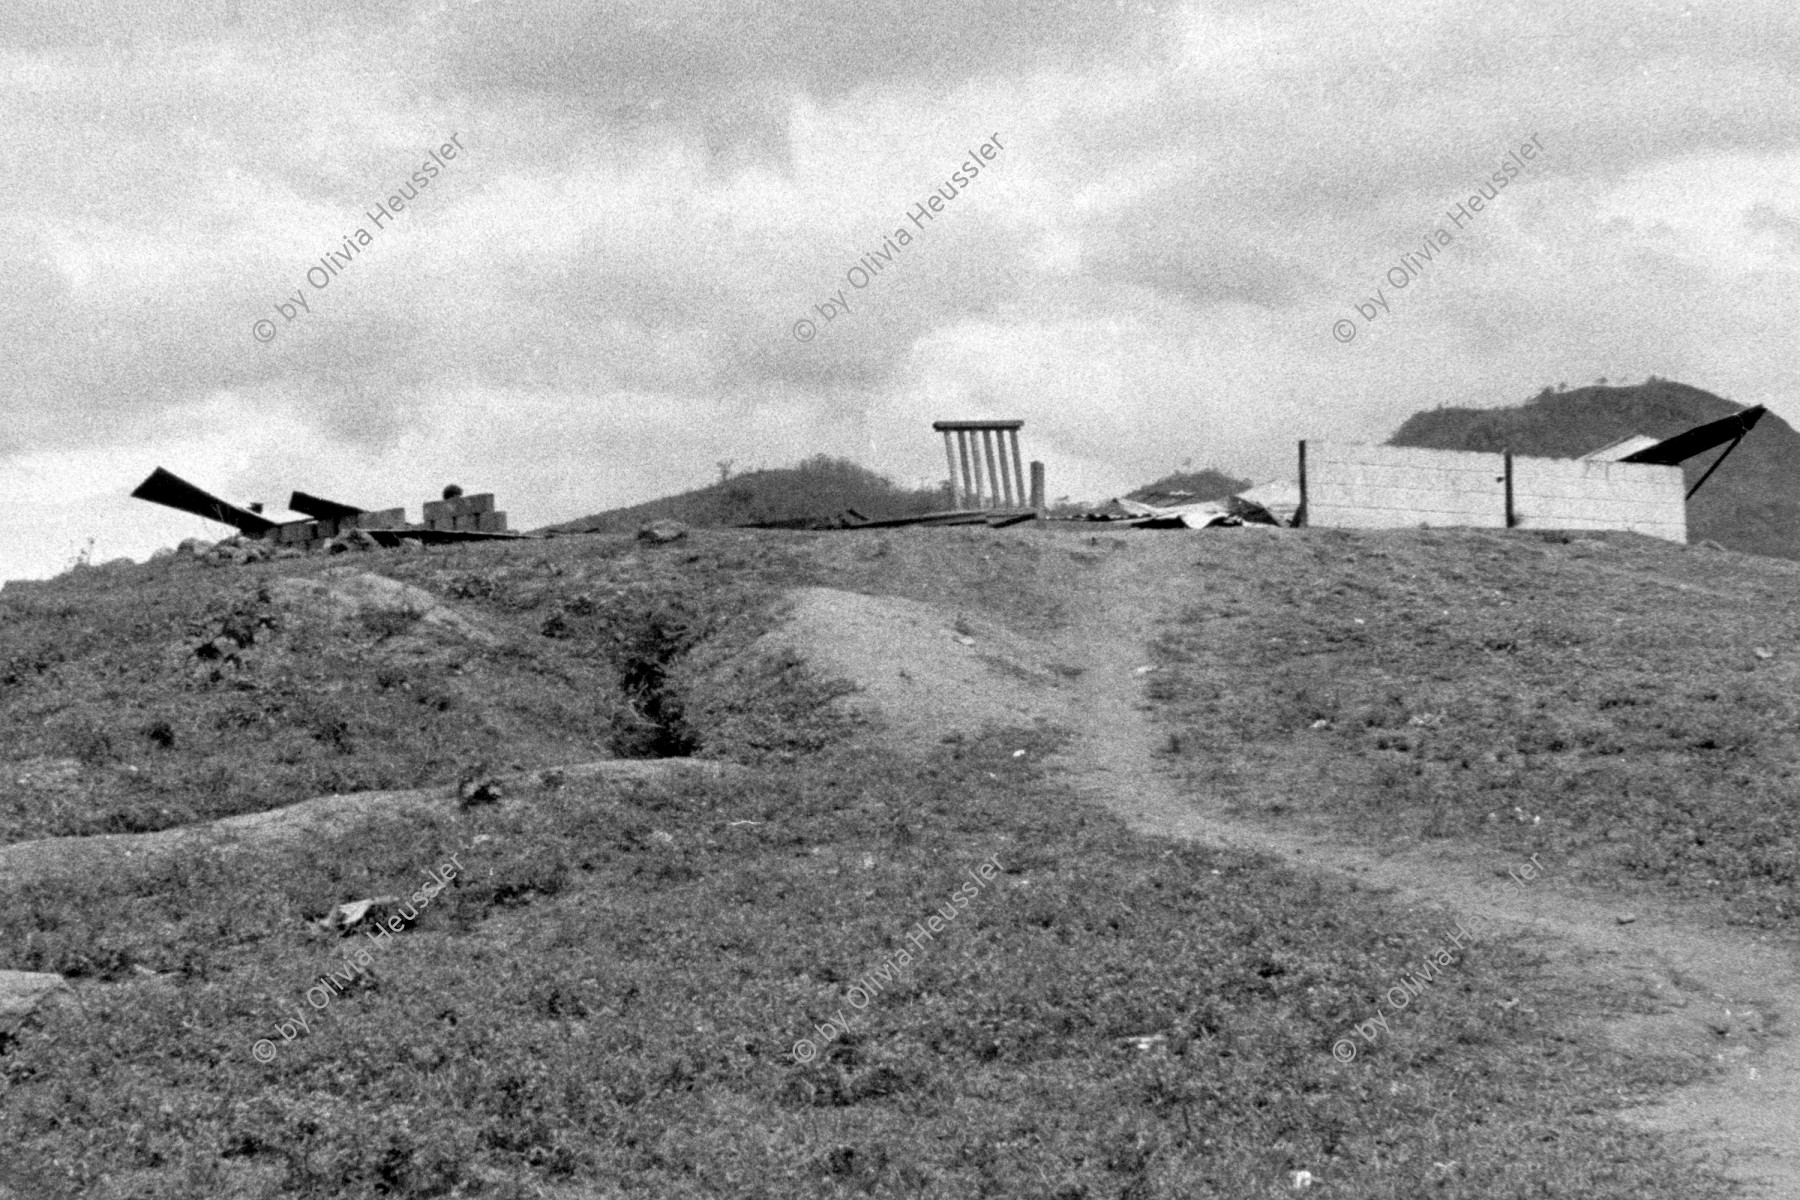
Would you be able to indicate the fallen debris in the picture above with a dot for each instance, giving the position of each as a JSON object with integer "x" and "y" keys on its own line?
{"x": 479, "y": 791}
{"x": 344, "y": 918}
{"x": 1203, "y": 514}
{"x": 658, "y": 533}
{"x": 851, "y": 519}
{"x": 334, "y": 527}
{"x": 20, "y": 994}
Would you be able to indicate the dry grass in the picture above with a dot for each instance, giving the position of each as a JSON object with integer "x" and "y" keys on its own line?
{"x": 608, "y": 1000}
{"x": 1622, "y": 706}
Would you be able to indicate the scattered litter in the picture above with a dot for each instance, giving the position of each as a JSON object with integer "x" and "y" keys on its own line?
{"x": 1763, "y": 652}
{"x": 1178, "y": 510}
{"x": 1143, "y": 670}
{"x": 21, "y": 992}
{"x": 1507, "y": 1004}
{"x": 1359, "y": 621}
{"x": 658, "y": 533}
{"x": 1146, "y": 1041}
{"x": 868, "y": 862}
{"x": 735, "y": 824}
{"x": 967, "y": 641}
{"x": 475, "y": 791}
{"x": 662, "y": 837}
{"x": 1302, "y": 1179}
{"x": 1321, "y": 723}
{"x": 1626, "y": 918}
{"x": 1428, "y": 720}
{"x": 346, "y": 917}
{"x": 1018, "y": 754}
{"x": 482, "y": 837}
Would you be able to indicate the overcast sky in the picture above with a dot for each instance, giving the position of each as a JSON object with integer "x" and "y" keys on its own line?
{"x": 598, "y": 298}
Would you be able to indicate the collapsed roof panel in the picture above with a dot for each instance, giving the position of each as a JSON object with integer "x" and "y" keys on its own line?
{"x": 172, "y": 491}
{"x": 1698, "y": 440}
{"x": 321, "y": 509}
{"x": 1622, "y": 449}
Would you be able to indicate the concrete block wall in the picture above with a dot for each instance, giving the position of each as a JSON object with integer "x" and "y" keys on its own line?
{"x": 436, "y": 510}
{"x": 387, "y": 518}
{"x": 472, "y": 513}
{"x": 1349, "y": 486}
{"x": 304, "y": 535}
{"x": 1558, "y": 493}
{"x": 1352, "y": 486}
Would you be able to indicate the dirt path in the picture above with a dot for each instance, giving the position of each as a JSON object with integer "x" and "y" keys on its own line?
{"x": 1720, "y": 993}
{"x": 1723, "y": 993}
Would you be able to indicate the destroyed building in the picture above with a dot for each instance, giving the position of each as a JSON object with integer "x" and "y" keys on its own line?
{"x": 455, "y": 518}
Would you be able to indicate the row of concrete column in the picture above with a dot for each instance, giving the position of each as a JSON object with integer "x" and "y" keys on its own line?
{"x": 971, "y": 445}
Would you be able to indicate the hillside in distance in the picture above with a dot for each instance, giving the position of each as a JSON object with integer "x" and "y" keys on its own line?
{"x": 817, "y": 489}
{"x": 821, "y": 488}
{"x": 1752, "y": 503}
{"x": 1190, "y": 487}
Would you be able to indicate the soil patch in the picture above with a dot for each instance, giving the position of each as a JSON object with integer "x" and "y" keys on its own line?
{"x": 921, "y": 672}
{"x": 1718, "y": 993}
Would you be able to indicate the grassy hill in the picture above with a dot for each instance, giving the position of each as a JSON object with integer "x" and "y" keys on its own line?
{"x": 1751, "y": 504}
{"x": 818, "y": 489}
{"x": 821, "y": 488}
{"x": 615, "y": 996}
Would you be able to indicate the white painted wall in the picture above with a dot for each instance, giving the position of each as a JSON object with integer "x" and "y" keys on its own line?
{"x": 1560, "y": 493}
{"x": 1353, "y": 486}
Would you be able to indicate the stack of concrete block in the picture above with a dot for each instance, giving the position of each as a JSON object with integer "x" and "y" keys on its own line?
{"x": 305, "y": 534}
{"x": 473, "y": 514}
{"x": 387, "y": 518}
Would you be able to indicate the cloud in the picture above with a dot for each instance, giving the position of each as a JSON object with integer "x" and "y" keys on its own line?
{"x": 604, "y": 287}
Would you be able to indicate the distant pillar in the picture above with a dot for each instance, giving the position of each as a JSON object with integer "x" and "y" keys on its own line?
{"x": 987, "y": 449}
{"x": 1512, "y": 517}
{"x": 1018, "y": 470}
{"x": 971, "y": 493}
{"x": 1009, "y": 479}
{"x": 950, "y": 458}
{"x": 974, "y": 436}
{"x": 1037, "y": 490}
{"x": 1003, "y": 479}
{"x": 1300, "y": 513}
{"x": 984, "y": 465}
